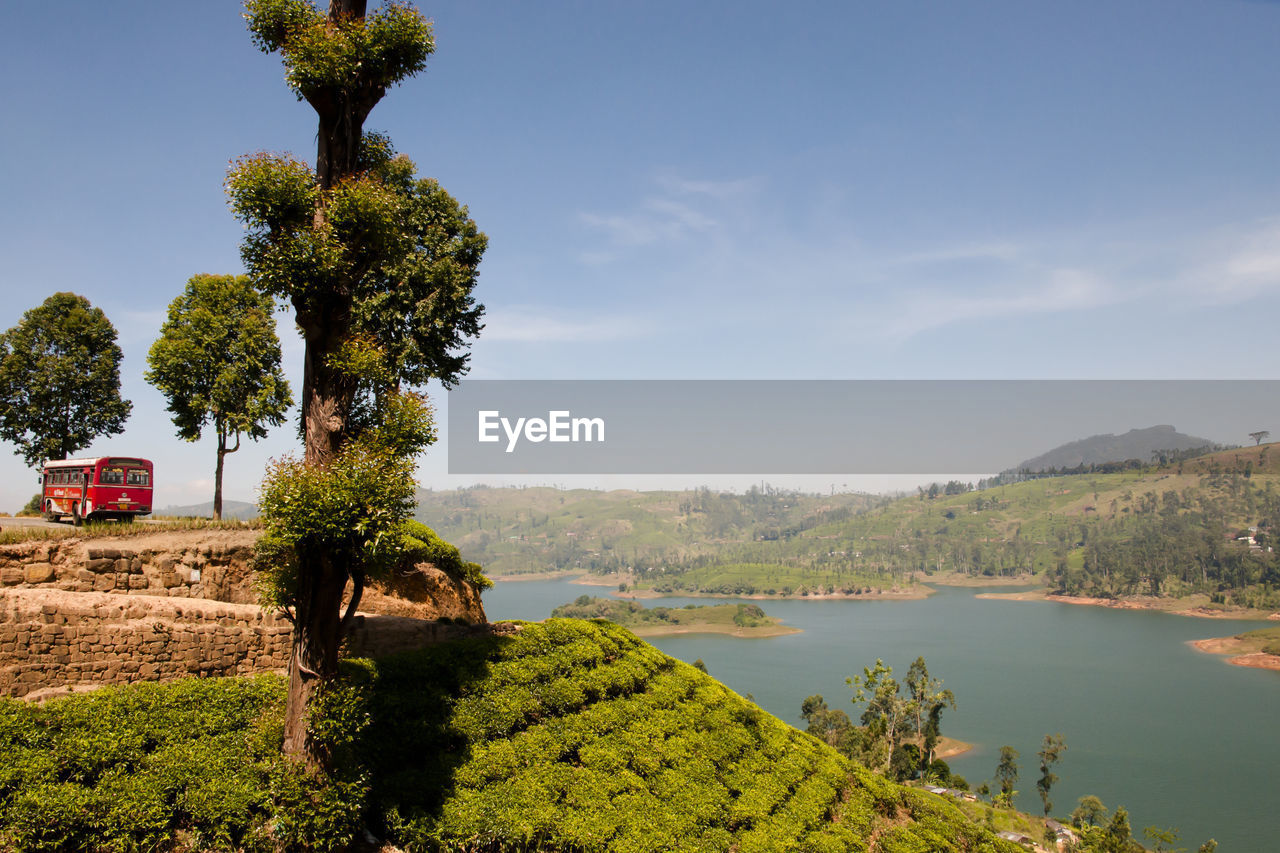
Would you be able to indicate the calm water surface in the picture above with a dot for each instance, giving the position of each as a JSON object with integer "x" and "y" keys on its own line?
{"x": 1177, "y": 736}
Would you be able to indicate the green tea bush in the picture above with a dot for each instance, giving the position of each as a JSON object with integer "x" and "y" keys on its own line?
{"x": 568, "y": 736}
{"x": 128, "y": 768}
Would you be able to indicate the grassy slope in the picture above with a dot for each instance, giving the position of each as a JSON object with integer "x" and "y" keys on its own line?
{"x": 569, "y": 736}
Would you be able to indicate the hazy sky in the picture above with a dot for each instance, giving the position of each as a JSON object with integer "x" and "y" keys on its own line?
{"x": 705, "y": 190}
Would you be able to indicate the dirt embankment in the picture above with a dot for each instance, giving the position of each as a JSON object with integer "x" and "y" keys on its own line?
{"x": 208, "y": 564}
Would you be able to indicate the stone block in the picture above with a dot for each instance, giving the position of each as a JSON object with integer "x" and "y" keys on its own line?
{"x": 11, "y": 576}
{"x": 39, "y": 573}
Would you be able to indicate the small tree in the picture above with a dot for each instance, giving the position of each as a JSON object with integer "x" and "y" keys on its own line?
{"x": 1090, "y": 812}
{"x": 1007, "y": 773}
{"x": 886, "y": 713}
{"x": 1260, "y": 436}
{"x": 60, "y": 379}
{"x": 217, "y": 360}
{"x": 1050, "y": 754}
{"x": 1164, "y": 839}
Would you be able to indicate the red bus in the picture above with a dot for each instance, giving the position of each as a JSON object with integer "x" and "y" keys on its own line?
{"x": 107, "y": 487}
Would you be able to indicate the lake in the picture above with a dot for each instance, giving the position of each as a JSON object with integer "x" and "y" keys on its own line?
{"x": 1178, "y": 737}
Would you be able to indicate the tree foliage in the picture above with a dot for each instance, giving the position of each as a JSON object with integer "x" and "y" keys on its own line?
{"x": 217, "y": 360}
{"x": 60, "y": 379}
{"x": 351, "y": 513}
{"x": 1050, "y": 754}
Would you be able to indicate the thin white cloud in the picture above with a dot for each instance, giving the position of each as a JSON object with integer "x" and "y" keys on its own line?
{"x": 993, "y": 251}
{"x": 530, "y": 325}
{"x": 1242, "y": 264}
{"x": 1056, "y": 290}
{"x": 683, "y": 208}
{"x": 722, "y": 190}
{"x": 657, "y": 221}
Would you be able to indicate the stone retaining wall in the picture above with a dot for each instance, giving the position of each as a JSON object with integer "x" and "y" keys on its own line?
{"x": 54, "y": 640}
{"x": 216, "y": 567}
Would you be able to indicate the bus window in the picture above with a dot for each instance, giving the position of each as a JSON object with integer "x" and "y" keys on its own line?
{"x": 138, "y": 477}
{"x": 112, "y": 477}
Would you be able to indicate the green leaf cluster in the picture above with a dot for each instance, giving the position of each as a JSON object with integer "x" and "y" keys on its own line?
{"x": 322, "y": 54}
{"x": 60, "y": 379}
{"x": 422, "y": 545}
{"x": 352, "y": 512}
{"x": 403, "y": 249}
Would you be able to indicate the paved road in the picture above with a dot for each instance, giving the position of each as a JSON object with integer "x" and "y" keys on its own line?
{"x": 10, "y": 523}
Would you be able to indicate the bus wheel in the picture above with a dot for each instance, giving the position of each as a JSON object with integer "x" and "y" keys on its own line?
{"x": 49, "y": 514}
{"x": 76, "y": 518}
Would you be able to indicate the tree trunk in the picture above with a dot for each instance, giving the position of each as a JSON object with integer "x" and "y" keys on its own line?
{"x": 326, "y": 402}
{"x": 217, "y": 474}
{"x": 223, "y": 450}
{"x": 314, "y": 657}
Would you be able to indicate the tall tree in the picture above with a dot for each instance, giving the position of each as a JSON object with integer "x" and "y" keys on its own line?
{"x": 60, "y": 379}
{"x": 926, "y": 701}
{"x": 1050, "y": 754}
{"x": 217, "y": 360}
{"x": 1259, "y": 436}
{"x": 379, "y": 267}
{"x": 1007, "y": 773}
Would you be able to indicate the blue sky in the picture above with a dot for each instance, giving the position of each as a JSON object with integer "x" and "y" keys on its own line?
{"x": 710, "y": 190}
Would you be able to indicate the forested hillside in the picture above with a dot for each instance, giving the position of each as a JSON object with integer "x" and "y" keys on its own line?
{"x": 1202, "y": 525}
{"x": 513, "y": 531}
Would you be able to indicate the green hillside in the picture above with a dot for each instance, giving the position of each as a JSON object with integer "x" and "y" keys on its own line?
{"x": 1121, "y": 529}
{"x": 513, "y": 531}
{"x": 568, "y": 736}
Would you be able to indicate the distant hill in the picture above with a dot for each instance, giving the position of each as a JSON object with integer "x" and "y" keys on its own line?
{"x": 1135, "y": 444}
{"x": 241, "y": 510}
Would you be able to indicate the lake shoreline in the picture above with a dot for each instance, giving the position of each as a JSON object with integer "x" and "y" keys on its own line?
{"x": 915, "y": 593}
{"x": 757, "y": 633}
{"x": 1243, "y": 650}
{"x": 1176, "y": 606}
